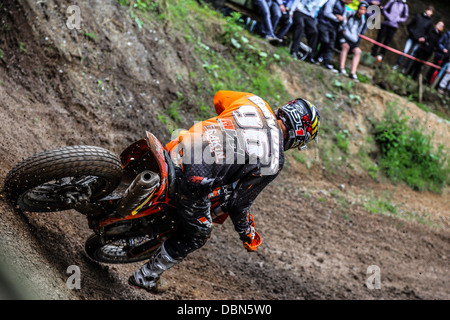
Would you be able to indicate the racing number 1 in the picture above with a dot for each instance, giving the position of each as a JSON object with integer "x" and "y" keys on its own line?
{"x": 256, "y": 140}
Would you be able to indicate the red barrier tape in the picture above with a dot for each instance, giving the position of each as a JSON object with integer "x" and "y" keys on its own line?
{"x": 399, "y": 52}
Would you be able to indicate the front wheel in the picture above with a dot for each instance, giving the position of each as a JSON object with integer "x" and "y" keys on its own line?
{"x": 48, "y": 181}
{"x": 303, "y": 52}
{"x": 122, "y": 250}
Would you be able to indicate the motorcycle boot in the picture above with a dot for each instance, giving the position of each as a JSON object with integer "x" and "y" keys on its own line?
{"x": 148, "y": 276}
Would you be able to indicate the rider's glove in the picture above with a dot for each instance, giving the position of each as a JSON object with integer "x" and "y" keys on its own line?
{"x": 250, "y": 237}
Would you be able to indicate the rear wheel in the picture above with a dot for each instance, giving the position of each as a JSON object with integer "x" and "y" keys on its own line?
{"x": 53, "y": 180}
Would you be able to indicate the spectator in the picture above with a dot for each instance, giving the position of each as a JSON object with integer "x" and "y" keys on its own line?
{"x": 444, "y": 85}
{"x": 353, "y": 6}
{"x": 395, "y": 12}
{"x": 441, "y": 56}
{"x": 370, "y": 13}
{"x": 417, "y": 29}
{"x": 426, "y": 49}
{"x": 267, "y": 30}
{"x": 330, "y": 18}
{"x": 282, "y": 13}
{"x": 349, "y": 39}
{"x": 304, "y": 22}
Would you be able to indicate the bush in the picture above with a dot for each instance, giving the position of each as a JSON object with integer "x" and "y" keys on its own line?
{"x": 407, "y": 154}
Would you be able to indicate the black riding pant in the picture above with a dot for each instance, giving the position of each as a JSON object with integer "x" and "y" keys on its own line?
{"x": 193, "y": 209}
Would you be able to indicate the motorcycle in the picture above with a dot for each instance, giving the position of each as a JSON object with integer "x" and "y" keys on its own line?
{"x": 128, "y": 201}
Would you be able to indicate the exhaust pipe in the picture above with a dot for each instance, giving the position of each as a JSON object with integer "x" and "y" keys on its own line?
{"x": 139, "y": 190}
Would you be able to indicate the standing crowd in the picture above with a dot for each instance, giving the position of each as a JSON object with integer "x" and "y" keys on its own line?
{"x": 338, "y": 24}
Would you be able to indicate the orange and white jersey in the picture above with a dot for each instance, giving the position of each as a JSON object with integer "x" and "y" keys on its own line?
{"x": 243, "y": 144}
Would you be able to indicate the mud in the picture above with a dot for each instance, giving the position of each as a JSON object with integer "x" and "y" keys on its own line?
{"x": 60, "y": 87}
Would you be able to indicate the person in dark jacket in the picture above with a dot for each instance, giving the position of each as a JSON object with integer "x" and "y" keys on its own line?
{"x": 417, "y": 29}
{"x": 426, "y": 49}
{"x": 441, "y": 56}
{"x": 394, "y": 12}
{"x": 330, "y": 18}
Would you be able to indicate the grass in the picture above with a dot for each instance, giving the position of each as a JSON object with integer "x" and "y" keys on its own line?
{"x": 381, "y": 206}
{"x": 22, "y": 47}
{"x": 91, "y": 36}
{"x": 247, "y": 66}
{"x": 367, "y": 164}
{"x": 403, "y": 85}
{"x": 342, "y": 140}
{"x": 384, "y": 206}
{"x": 406, "y": 154}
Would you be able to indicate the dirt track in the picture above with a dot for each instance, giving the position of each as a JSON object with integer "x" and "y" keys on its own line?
{"x": 60, "y": 88}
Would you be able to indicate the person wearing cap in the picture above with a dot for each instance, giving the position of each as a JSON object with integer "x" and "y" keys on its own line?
{"x": 371, "y": 12}
{"x": 349, "y": 38}
{"x": 330, "y": 18}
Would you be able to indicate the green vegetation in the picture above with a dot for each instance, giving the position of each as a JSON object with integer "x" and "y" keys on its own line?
{"x": 342, "y": 138}
{"x": 403, "y": 85}
{"x": 228, "y": 57}
{"x": 407, "y": 154}
{"x": 367, "y": 163}
{"x": 247, "y": 65}
{"x": 383, "y": 205}
{"x": 22, "y": 47}
{"x": 174, "y": 108}
{"x": 91, "y": 36}
{"x": 396, "y": 82}
{"x": 254, "y": 62}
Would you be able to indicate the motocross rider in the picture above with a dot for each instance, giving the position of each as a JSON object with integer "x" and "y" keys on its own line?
{"x": 244, "y": 144}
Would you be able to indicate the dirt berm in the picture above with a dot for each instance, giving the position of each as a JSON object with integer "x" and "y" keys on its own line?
{"x": 105, "y": 85}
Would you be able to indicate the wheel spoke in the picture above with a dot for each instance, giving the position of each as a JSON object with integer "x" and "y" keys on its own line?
{"x": 118, "y": 250}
